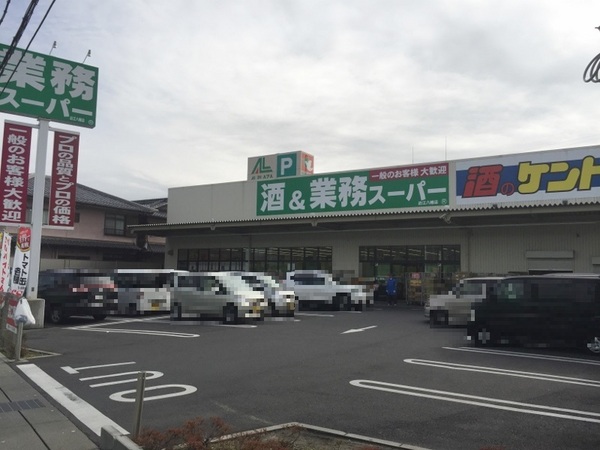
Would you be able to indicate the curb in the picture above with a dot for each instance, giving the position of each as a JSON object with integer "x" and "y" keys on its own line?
{"x": 325, "y": 431}
{"x": 112, "y": 439}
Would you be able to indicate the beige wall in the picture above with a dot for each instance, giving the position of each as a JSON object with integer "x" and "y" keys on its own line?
{"x": 483, "y": 250}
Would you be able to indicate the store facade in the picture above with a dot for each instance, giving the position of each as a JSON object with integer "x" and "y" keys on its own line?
{"x": 520, "y": 213}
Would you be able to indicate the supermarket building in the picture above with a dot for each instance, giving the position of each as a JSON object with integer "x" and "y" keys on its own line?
{"x": 520, "y": 213}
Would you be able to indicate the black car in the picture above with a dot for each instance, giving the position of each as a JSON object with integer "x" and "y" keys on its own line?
{"x": 548, "y": 309}
{"x": 77, "y": 292}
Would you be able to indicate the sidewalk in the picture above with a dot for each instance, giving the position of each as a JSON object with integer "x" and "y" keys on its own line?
{"x": 29, "y": 422}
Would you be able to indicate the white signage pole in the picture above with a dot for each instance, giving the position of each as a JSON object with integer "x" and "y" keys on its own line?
{"x": 37, "y": 208}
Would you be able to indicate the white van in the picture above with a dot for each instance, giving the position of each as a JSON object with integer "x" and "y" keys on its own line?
{"x": 142, "y": 291}
{"x": 215, "y": 295}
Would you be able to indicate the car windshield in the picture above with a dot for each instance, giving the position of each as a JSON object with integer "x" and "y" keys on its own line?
{"x": 234, "y": 281}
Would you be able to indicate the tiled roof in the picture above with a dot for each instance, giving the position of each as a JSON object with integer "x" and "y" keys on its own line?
{"x": 92, "y": 197}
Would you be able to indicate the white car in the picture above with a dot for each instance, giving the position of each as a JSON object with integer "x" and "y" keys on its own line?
{"x": 215, "y": 295}
{"x": 318, "y": 288}
{"x": 280, "y": 302}
{"x": 454, "y": 308}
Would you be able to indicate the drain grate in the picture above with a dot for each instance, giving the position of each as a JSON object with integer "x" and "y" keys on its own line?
{"x": 21, "y": 405}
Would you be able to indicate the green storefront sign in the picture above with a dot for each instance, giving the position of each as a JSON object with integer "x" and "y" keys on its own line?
{"x": 48, "y": 88}
{"x": 402, "y": 187}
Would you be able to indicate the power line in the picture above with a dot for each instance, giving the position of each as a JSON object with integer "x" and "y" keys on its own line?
{"x": 5, "y": 11}
{"x": 17, "y": 37}
{"x": 26, "y": 49}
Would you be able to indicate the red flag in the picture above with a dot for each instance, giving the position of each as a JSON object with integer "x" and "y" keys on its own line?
{"x": 63, "y": 188}
{"x": 14, "y": 170}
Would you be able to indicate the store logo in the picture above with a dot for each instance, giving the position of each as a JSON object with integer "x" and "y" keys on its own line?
{"x": 261, "y": 170}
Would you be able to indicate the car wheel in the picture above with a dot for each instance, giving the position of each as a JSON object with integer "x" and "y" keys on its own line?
{"x": 99, "y": 317}
{"x": 229, "y": 314}
{"x": 359, "y": 307}
{"x": 336, "y": 303}
{"x": 593, "y": 345}
{"x": 176, "y": 311}
{"x": 56, "y": 315}
{"x": 483, "y": 337}
{"x": 438, "y": 318}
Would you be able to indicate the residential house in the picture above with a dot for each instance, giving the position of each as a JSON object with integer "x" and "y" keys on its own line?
{"x": 100, "y": 237}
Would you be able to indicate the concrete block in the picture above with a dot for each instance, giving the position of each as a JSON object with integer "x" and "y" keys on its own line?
{"x": 112, "y": 439}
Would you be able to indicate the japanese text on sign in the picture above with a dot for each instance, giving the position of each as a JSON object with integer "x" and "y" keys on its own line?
{"x": 14, "y": 172}
{"x": 63, "y": 187}
{"x": 377, "y": 189}
{"x": 50, "y": 88}
{"x": 531, "y": 180}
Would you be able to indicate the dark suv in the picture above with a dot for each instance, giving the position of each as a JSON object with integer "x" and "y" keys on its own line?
{"x": 77, "y": 292}
{"x": 557, "y": 308}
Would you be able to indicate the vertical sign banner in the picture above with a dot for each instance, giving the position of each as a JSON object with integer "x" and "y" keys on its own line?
{"x": 63, "y": 188}
{"x": 4, "y": 265}
{"x": 45, "y": 87}
{"x": 14, "y": 173}
{"x": 20, "y": 272}
{"x": 4, "y": 262}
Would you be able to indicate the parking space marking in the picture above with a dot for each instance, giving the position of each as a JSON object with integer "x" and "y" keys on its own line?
{"x": 486, "y": 402}
{"x": 86, "y": 413}
{"x": 102, "y": 328}
{"x": 72, "y": 371}
{"x": 315, "y": 314}
{"x": 525, "y": 355}
{"x": 143, "y": 332}
{"x": 358, "y": 330}
{"x": 497, "y": 371}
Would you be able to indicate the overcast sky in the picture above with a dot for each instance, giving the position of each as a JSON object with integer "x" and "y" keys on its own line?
{"x": 188, "y": 90}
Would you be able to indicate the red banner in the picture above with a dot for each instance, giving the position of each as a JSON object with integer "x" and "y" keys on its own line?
{"x": 14, "y": 172}
{"x": 61, "y": 211}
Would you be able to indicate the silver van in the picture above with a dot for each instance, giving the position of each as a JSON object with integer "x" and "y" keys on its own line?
{"x": 215, "y": 295}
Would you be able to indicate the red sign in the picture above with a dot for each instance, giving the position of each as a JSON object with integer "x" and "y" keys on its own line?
{"x": 14, "y": 170}
{"x": 63, "y": 188}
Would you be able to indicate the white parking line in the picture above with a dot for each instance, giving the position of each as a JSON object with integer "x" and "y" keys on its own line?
{"x": 497, "y": 371}
{"x": 86, "y": 413}
{"x": 314, "y": 315}
{"x": 144, "y": 332}
{"x": 486, "y": 402}
{"x": 525, "y": 355}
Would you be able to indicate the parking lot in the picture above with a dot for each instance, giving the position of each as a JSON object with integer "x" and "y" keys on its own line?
{"x": 382, "y": 373}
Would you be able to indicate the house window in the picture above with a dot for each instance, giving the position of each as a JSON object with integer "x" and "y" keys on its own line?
{"x": 114, "y": 224}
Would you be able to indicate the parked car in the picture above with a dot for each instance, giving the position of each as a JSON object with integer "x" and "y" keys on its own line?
{"x": 77, "y": 292}
{"x": 215, "y": 295}
{"x": 454, "y": 308}
{"x": 544, "y": 309}
{"x": 318, "y": 288}
{"x": 142, "y": 291}
{"x": 280, "y": 302}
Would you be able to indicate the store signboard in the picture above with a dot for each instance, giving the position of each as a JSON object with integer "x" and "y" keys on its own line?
{"x": 280, "y": 165}
{"x": 44, "y": 87}
{"x": 424, "y": 185}
{"x": 540, "y": 176}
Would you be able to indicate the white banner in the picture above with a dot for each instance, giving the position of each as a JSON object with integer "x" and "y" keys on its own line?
{"x": 5, "y": 261}
{"x": 20, "y": 272}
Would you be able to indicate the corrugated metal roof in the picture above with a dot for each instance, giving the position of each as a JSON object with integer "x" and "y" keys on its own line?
{"x": 92, "y": 243}
{"x": 372, "y": 214}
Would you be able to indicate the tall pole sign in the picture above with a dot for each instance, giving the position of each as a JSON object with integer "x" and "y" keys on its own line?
{"x": 49, "y": 89}
{"x": 44, "y": 87}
